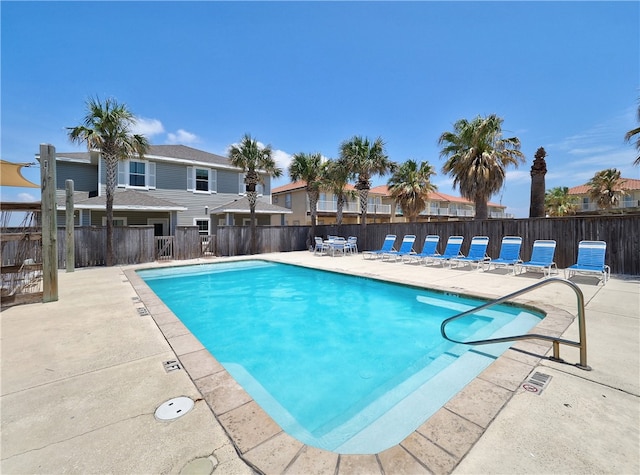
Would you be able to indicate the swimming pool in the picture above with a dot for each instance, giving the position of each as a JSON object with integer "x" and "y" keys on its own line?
{"x": 343, "y": 363}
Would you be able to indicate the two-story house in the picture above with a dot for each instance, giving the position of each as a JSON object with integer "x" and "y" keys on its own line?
{"x": 174, "y": 185}
{"x": 628, "y": 197}
{"x": 381, "y": 207}
{"x": 293, "y": 196}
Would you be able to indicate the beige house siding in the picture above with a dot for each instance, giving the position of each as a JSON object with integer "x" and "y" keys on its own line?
{"x": 629, "y": 201}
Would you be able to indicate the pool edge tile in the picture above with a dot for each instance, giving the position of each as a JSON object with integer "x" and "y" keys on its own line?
{"x": 222, "y": 392}
{"x": 274, "y": 455}
{"x": 249, "y": 425}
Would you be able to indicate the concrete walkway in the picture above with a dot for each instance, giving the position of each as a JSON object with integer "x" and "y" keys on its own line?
{"x": 82, "y": 377}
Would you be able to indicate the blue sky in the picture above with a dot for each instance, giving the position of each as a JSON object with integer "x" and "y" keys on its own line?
{"x": 305, "y": 76}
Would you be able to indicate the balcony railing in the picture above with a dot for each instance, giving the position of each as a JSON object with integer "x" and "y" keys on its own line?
{"x": 621, "y": 205}
{"x": 352, "y": 207}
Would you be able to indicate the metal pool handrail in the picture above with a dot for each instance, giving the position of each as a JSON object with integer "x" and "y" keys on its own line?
{"x": 582, "y": 344}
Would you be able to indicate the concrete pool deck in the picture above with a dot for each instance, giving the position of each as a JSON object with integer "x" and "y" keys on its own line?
{"x": 82, "y": 377}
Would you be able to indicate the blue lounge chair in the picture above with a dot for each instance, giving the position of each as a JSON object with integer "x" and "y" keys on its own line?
{"x": 429, "y": 249}
{"x": 477, "y": 253}
{"x": 590, "y": 260}
{"x": 454, "y": 243}
{"x": 406, "y": 248}
{"x": 541, "y": 257}
{"x": 509, "y": 253}
{"x": 387, "y": 246}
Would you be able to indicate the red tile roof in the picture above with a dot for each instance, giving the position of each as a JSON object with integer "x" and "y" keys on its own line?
{"x": 434, "y": 196}
{"x": 296, "y": 185}
{"x": 625, "y": 183}
{"x": 384, "y": 190}
{"x": 299, "y": 185}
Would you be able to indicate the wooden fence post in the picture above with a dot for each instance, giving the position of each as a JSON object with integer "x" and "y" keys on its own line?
{"x": 70, "y": 241}
{"x": 49, "y": 223}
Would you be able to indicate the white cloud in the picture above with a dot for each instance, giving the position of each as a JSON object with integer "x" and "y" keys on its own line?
{"x": 26, "y": 198}
{"x": 147, "y": 127}
{"x": 182, "y": 137}
{"x": 283, "y": 160}
{"x": 518, "y": 176}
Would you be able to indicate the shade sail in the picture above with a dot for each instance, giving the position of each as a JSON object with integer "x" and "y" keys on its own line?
{"x": 10, "y": 175}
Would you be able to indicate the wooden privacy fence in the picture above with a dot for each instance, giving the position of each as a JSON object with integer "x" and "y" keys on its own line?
{"x": 236, "y": 240}
{"x": 621, "y": 233}
{"x": 131, "y": 245}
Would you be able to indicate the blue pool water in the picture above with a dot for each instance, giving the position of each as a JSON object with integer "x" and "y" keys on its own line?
{"x": 343, "y": 363}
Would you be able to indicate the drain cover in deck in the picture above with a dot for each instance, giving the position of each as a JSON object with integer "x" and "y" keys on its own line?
{"x": 174, "y": 408}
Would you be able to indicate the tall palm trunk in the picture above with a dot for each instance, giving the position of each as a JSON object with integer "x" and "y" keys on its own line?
{"x": 363, "y": 194}
{"x": 482, "y": 210}
{"x": 314, "y": 196}
{"x": 340, "y": 207}
{"x": 252, "y": 197}
{"x": 111, "y": 165}
{"x": 538, "y": 172}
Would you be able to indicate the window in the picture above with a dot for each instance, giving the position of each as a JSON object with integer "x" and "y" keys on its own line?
{"x": 585, "y": 202}
{"x": 287, "y": 200}
{"x": 203, "y": 226}
{"x": 201, "y": 180}
{"x": 242, "y": 187}
{"x": 136, "y": 174}
{"x": 116, "y": 221}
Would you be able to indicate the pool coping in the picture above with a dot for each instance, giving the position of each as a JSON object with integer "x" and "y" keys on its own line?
{"x": 437, "y": 445}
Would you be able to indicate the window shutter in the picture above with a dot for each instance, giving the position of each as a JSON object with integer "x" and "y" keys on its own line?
{"x": 152, "y": 175}
{"x": 191, "y": 179}
{"x": 213, "y": 181}
{"x": 242, "y": 189}
{"x": 122, "y": 172}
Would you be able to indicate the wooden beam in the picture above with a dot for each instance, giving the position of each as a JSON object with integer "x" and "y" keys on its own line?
{"x": 6, "y": 237}
{"x": 19, "y": 206}
{"x": 49, "y": 223}
{"x": 69, "y": 228}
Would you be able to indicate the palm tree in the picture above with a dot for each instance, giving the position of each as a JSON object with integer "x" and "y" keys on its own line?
{"x": 605, "y": 188}
{"x": 558, "y": 202}
{"x": 477, "y": 156}
{"x": 365, "y": 159}
{"x": 309, "y": 168}
{"x": 635, "y": 133}
{"x": 253, "y": 158}
{"x": 538, "y": 171}
{"x": 335, "y": 179}
{"x": 107, "y": 128}
{"x": 410, "y": 186}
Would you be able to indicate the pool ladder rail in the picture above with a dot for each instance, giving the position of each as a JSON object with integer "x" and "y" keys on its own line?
{"x": 582, "y": 344}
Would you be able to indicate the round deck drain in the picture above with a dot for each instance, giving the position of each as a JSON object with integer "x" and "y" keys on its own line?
{"x": 174, "y": 408}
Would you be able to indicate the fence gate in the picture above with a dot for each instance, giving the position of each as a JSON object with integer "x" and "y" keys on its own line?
{"x": 164, "y": 247}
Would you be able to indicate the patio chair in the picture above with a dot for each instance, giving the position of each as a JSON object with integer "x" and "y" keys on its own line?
{"x": 477, "y": 253}
{"x": 590, "y": 260}
{"x": 541, "y": 257}
{"x": 352, "y": 245}
{"x": 406, "y": 248}
{"x": 337, "y": 244}
{"x": 454, "y": 243}
{"x": 320, "y": 246}
{"x": 428, "y": 249}
{"x": 387, "y": 246}
{"x": 509, "y": 253}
